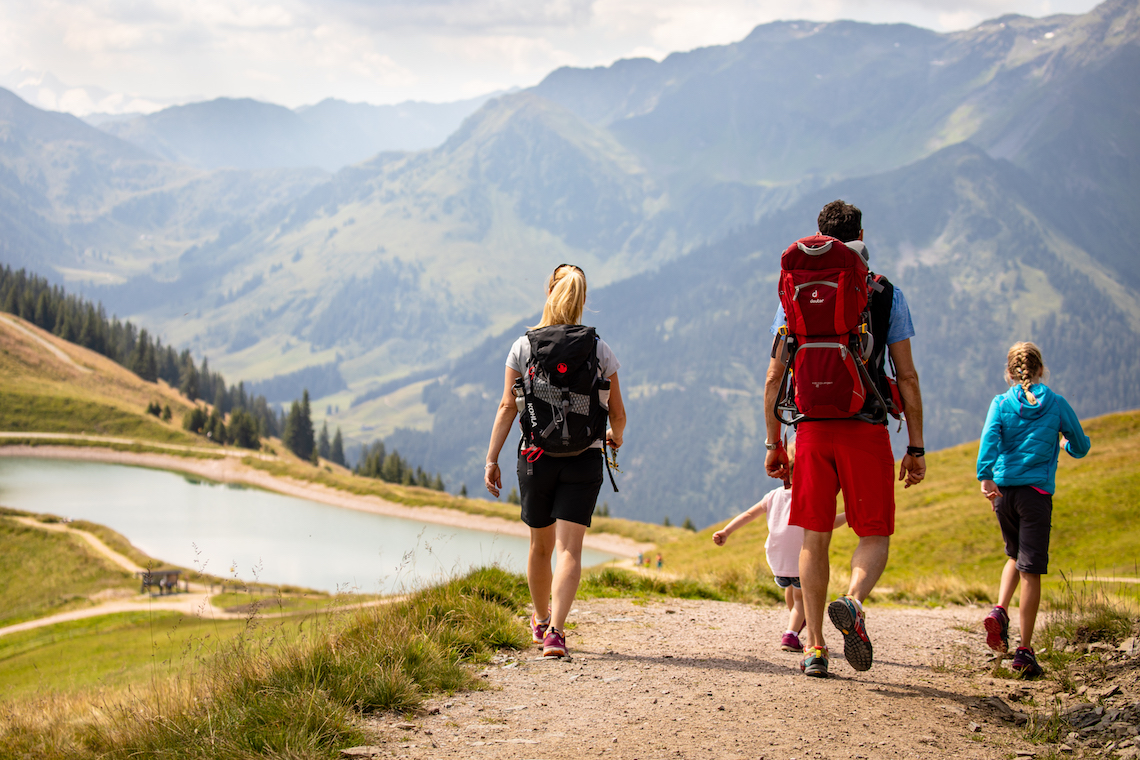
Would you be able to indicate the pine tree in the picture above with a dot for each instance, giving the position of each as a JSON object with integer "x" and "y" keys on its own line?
{"x": 189, "y": 374}
{"x": 292, "y": 423}
{"x": 393, "y": 469}
{"x": 306, "y": 439}
{"x": 336, "y": 453}
{"x": 298, "y": 436}
{"x": 323, "y": 448}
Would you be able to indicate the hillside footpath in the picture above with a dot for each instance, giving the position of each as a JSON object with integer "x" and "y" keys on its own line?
{"x": 702, "y": 679}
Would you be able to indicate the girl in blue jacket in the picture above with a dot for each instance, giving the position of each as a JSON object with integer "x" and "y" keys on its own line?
{"x": 1017, "y": 465}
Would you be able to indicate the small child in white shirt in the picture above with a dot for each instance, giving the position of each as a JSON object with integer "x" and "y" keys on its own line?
{"x": 782, "y": 549}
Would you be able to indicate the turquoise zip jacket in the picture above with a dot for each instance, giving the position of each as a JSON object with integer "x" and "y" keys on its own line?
{"x": 1020, "y": 445}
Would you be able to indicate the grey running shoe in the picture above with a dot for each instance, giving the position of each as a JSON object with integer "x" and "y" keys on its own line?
{"x": 849, "y": 620}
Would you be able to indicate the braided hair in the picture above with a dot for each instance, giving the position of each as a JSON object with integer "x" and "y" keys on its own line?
{"x": 1024, "y": 366}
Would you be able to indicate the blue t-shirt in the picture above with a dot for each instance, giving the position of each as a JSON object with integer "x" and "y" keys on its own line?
{"x": 901, "y": 326}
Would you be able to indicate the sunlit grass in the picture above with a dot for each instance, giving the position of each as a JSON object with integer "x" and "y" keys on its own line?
{"x": 288, "y": 689}
{"x": 947, "y": 546}
{"x": 42, "y": 573}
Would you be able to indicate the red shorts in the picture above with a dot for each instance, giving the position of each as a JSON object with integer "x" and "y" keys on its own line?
{"x": 847, "y": 455}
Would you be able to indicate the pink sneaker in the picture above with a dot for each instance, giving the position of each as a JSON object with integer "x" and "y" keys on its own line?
{"x": 997, "y": 630}
{"x": 538, "y": 629}
{"x": 791, "y": 642}
{"x": 554, "y": 645}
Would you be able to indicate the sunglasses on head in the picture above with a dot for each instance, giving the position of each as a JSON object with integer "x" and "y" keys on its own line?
{"x": 572, "y": 266}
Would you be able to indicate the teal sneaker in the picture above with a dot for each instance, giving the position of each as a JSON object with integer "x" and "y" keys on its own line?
{"x": 850, "y": 621}
{"x": 815, "y": 662}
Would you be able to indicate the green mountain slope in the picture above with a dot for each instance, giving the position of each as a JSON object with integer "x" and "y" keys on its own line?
{"x": 997, "y": 167}
{"x": 957, "y": 232}
{"x": 389, "y": 266}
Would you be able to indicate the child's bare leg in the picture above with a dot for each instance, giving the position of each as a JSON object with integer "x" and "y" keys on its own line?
{"x": 1028, "y": 605}
{"x": 1009, "y": 578}
{"x": 795, "y": 600}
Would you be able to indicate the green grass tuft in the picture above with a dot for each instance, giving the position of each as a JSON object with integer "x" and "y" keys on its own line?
{"x": 289, "y": 690}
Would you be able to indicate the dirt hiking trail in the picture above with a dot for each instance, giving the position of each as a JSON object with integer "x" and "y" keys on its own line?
{"x": 702, "y": 679}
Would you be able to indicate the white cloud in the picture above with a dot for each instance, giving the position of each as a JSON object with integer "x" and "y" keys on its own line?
{"x": 300, "y": 51}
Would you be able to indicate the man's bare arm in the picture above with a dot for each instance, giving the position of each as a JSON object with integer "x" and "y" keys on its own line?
{"x": 913, "y": 469}
{"x": 772, "y": 465}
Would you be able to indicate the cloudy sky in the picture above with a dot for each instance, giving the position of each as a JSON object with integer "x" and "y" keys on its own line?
{"x": 145, "y": 53}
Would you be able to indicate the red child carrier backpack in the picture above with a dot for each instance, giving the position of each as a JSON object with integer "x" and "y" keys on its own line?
{"x": 825, "y": 289}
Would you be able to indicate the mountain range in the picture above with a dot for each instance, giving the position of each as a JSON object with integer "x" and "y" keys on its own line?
{"x": 996, "y": 168}
{"x": 248, "y": 134}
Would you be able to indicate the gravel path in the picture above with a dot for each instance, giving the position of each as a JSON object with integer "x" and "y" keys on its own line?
{"x": 699, "y": 679}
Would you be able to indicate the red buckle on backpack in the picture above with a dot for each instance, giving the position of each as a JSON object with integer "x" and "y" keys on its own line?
{"x": 532, "y": 453}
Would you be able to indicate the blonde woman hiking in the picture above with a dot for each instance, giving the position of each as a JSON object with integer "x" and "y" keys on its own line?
{"x": 1025, "y": 430}
{"x": 563, "y": 379}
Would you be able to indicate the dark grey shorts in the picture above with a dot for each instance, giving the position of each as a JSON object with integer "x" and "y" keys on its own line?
{"x": 783, "y": 581}
{"x": 1025, "y": 517}
{"x": 560, "y": 488}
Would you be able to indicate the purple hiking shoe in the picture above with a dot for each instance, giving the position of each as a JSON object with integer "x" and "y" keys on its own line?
{"x": 538, "y": 629}
{"x": 1025, "y": 663}
{"x": 997, "y": 629}
{"x": 791, "y": 643}
{"x": 554, "y": 645}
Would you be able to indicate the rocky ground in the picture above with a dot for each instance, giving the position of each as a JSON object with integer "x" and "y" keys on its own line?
{"x": 702, "y": 679}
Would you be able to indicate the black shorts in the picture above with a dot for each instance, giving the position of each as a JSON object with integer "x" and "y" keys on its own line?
{"x": 1025, "y": 516}
{"x": 560, "y": 488}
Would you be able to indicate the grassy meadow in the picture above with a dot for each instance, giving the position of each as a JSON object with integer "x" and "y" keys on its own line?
{"x": 40, "y": 392}
{"x": 290, "y": 688}
{"x": 42, "y": 573}
{"x": 107, "y": 652}
{"x": 947, "y": 545}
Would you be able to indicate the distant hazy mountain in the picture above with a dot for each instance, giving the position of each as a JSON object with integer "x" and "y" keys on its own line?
{"x": 43, "y": 89}
{"x": 80, "y": 204}
{"x": 998, "y": 168}
{"x": 248, "y": 134}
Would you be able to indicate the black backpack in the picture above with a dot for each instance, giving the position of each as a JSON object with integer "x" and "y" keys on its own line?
{"x": 562, "y": 398}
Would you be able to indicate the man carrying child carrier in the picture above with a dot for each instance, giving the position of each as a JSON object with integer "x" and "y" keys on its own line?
{"x": 836, "y": 326}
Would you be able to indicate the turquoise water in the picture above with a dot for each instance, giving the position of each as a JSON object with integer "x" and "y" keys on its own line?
{"x": 248, "y": 533}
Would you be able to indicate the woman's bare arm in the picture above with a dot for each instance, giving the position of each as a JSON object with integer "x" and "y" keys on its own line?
{"x": 504, "y": 418}
{"x": 616, "y": 433}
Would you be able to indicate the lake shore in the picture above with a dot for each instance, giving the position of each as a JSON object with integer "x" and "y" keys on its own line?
{"x": 230, "y": 470}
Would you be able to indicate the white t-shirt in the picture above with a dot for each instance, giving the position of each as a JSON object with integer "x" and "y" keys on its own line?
{"x": 784, "y": 541}
{"x": 520, "y": 354}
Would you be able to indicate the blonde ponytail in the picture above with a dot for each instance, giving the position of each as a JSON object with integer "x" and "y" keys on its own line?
{"x": 566, "y": 297}
{"x": 1024, "y": 366}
